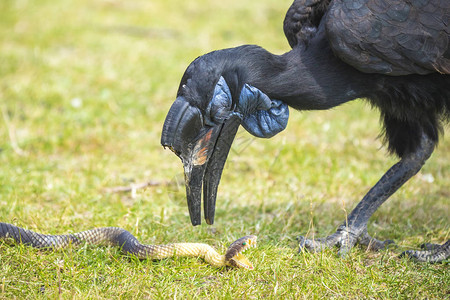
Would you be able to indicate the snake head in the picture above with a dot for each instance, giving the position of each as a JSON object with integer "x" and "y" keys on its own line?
{"x": 234, "y": 256}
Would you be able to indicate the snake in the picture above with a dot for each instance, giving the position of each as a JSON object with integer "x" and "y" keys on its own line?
{"x": 116, "y": 236}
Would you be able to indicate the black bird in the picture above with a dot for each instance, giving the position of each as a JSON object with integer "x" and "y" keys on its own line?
{"x": 393, "y": 53}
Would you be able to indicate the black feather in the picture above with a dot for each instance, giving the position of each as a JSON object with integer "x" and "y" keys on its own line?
{"x": 395, "y": 54}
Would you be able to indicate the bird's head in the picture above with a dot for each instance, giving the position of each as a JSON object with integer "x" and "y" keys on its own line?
{"x": 212, "y": 101}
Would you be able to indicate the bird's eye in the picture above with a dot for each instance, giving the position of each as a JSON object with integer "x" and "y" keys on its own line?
{"x": 244, "y": 243}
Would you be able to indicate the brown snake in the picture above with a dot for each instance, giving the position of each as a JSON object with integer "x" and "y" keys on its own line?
{"x": 120, "y": 237}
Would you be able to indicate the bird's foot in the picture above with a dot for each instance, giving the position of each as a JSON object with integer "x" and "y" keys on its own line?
{"x": 345, "y": 239}
{"x": 432, "y": 253}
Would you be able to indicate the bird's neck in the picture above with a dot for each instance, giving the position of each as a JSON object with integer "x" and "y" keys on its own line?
{"x": 305, "y": 78}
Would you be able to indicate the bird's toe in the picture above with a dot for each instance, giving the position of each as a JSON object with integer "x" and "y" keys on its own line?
{"x": 429, "y": 246}
{"x": 374, "y": 244}
{"x": 433, "y": 254}
{"x": 340, "y": 238}
{"x": 312, "y": 245}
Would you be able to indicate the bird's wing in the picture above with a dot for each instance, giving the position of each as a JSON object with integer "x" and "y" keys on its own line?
{"x": 395, "y": 37}
{"x": 302, "y": 20}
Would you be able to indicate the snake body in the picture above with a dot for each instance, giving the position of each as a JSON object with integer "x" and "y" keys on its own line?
{"x": 115, "y": 236}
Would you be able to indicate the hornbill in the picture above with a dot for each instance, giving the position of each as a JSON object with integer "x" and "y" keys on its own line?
{"x": 394, "y": 54}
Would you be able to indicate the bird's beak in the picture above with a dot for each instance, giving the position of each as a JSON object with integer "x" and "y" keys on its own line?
{"x": 203, "y": 150}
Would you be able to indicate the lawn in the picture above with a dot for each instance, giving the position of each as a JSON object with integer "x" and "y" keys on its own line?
{"x": 84, "y": 89}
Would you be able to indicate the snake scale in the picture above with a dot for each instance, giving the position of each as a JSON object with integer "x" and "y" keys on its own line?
{"x": 115, "y": 236}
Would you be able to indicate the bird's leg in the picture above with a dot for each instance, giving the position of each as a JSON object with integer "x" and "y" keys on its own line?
{"x": 354, "y": 229}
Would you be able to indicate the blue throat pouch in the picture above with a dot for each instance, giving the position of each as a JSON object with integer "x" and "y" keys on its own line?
{"x": 261, "y": 116}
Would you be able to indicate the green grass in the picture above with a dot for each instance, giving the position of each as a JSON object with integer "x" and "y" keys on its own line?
{"x": 84, "y": 89}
